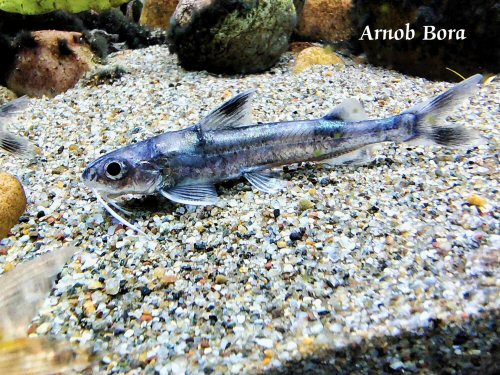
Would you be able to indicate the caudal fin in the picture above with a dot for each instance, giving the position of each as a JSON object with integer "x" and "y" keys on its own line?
{"x": 430, "y": 116}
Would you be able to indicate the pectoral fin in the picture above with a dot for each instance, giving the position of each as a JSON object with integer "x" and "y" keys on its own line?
{"x": 197, "y": 194}
{"x": 265, "y": 182}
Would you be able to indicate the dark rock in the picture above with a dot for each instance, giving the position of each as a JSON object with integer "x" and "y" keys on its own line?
{"x": 231, "y": 36}
{"x": 296, "y": 236}
{"x": 479, "y": 52}
{"x": 145, "y": 291}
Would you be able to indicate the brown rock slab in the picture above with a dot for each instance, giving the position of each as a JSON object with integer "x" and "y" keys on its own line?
{"x": 157, "y": 13}
{"x": 325, "y": 20}
{"x": 12, "y": 202}
{"x": 53, "y": 63}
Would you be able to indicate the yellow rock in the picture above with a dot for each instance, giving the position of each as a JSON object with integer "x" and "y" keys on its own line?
{"x": 316, "y": 56}
{"x": 12, "y": 202}
{"x": 476, "y": 200}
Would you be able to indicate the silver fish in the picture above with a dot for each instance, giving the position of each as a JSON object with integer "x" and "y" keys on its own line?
{"x": 10, "y": 142}
{"x": 184, "y": 165}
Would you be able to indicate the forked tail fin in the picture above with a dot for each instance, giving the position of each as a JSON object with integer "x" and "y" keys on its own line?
{"x": 431, "y": 114}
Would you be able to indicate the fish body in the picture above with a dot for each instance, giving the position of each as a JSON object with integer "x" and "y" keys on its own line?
{"x": 184, "y": 165}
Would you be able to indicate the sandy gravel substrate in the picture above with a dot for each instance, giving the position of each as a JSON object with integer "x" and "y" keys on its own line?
{"x": 393, "y": 266}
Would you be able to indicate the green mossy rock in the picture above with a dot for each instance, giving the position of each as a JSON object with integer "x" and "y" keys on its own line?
{"x": 30, "y": 7}
{"x": 231, "y": 37}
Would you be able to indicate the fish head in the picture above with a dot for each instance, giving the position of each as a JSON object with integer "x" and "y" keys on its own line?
{"x": 125, "y": 171}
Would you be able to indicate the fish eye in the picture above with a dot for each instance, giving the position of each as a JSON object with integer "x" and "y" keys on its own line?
{"x": 114, "y": 170}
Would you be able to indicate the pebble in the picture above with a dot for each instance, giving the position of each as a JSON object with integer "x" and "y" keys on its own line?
{"x": 266, "y": 343}
{"x": 476, "y": 200}
{"x": 112, "y": 286}
{"x": 305, "y": 204}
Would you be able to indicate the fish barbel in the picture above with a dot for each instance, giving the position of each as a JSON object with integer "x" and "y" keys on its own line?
{"x": 184, "y": 165}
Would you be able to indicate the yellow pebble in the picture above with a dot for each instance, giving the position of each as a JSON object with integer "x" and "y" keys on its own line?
{"x": 266, "y": 361}
{"x": 269, "y": 353}
{"x": 73, "y": 148}
{"x": 220, "y": 279}
{"x": 88, "y": 307}
{"x": 281, "y": 244}
{"x": 159, "y": 272}
{"x": 8, "y": 267}
{"x": 94, "y": 284}
{"x": 308, "y": 341}
{"x": 169, "y": 279}
{"x": 476, "y": 200}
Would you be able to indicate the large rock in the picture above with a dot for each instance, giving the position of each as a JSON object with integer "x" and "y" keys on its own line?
{"x": 12, "y": 202}
{"x": 50, "y": 62}
{"x": 157, "y": 13}
{"x": 479, "y": 52}
{"x": 228, "y": 36}
{"x": 324, "y": 20}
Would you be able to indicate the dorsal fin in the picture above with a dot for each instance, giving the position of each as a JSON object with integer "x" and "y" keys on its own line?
{"x": 348, "y": 110}
{"x": 234, "y": 113}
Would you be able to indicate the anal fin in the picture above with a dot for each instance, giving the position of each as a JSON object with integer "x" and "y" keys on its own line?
{"x": 361, "y": 156}
{"x": 195, "y": 194}
{"x": 265, "y": 182}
